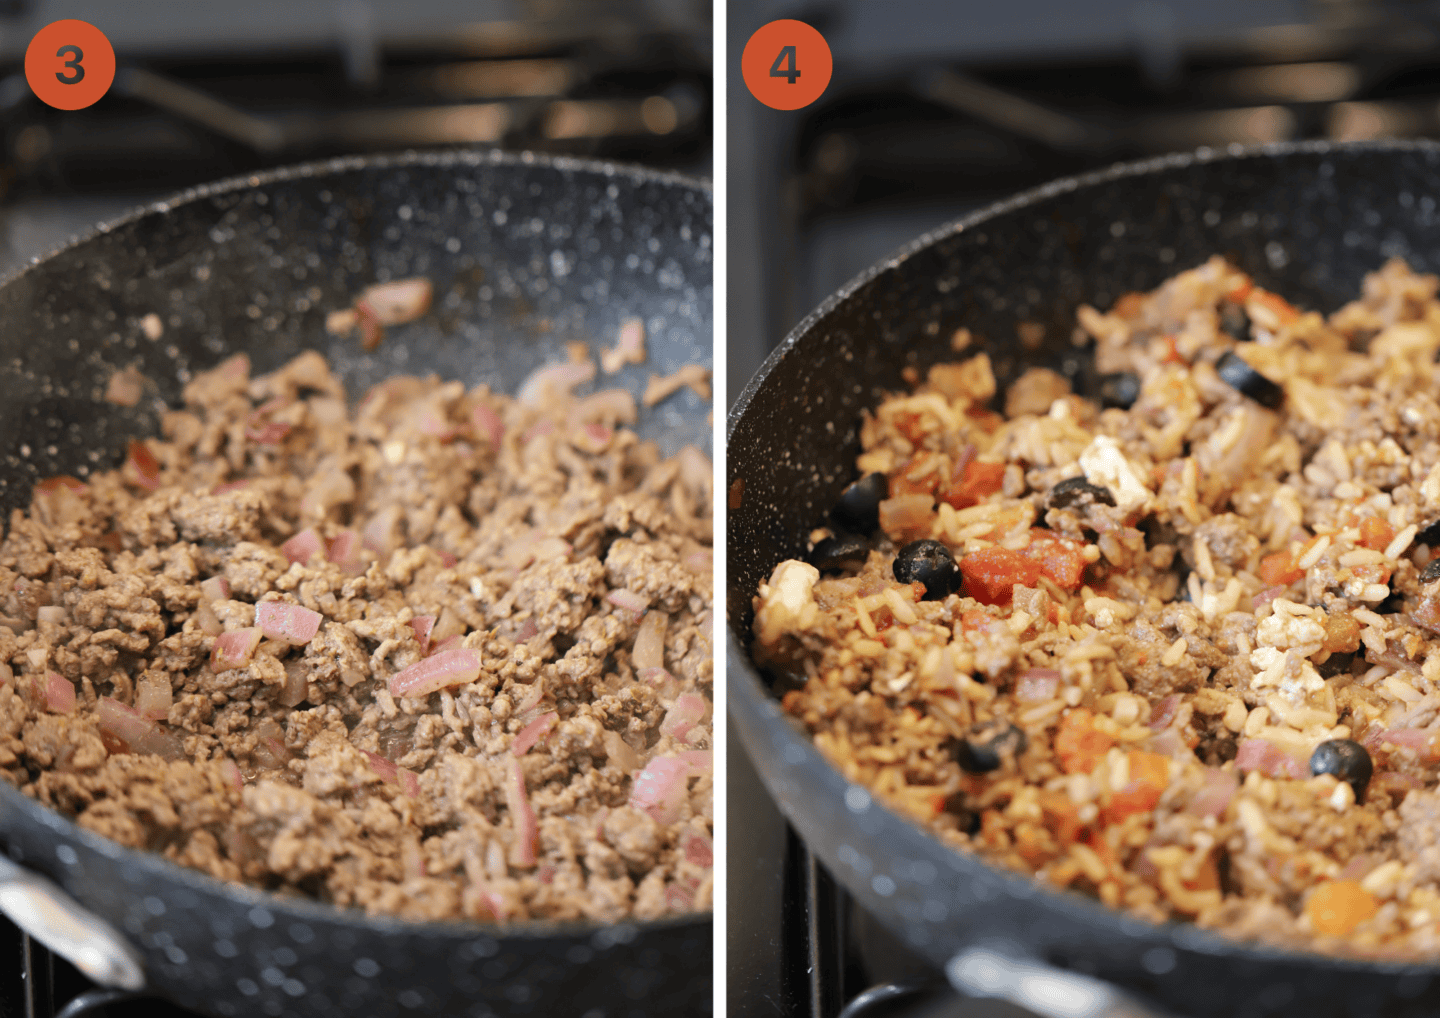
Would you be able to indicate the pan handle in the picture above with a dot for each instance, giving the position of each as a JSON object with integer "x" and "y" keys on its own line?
{"x": 52, "y": 917}
{"x": 1043, "y": 989}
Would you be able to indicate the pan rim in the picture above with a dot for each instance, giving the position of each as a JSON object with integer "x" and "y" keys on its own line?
{"x": 311, "y": 909}
{"x": 746, "y": 691}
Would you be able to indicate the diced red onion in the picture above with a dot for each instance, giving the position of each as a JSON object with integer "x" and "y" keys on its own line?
{"x": 135, "y": 733}
{"x": 398, "y": 301}
{"x": 449, "y": 643}
{"x": 440, "y": 670}
{"x": 59, "y": 694}
{"x": 660, "y": 789}
{"x": 1421, "y": 740}
{"x": 529, "y": 629}
{"x": 344, "y": 550}
{"x": 1167, "y": 742}
{"x": 207, "y": 620}
{"x": 660, "y": 679}
{"x": 962, "y": 459}
{"x": 215, "y": 588}
{"x": 231, "y": 770}
{"x": 486, "y": 424}
{"x": 554, "y": 381}
{"x": 378, "y": 533}
{"x": 629, "y": 601}
{"x": 234, "y": 649}
{"x": 546, "y": 874}
{"x": 906, "y": 512}
{"x": 702, "y": 562}
{"x": 292, "y": 623}
{"x": 270, "y": 754}
{"x": 678, "y": 898}
{"x": 618, "y": 751}
{"x": 1037, "y": 685}
{"x": 544, "y": 426}
{"x": 527, "y": 830}
{"x": 608, "y": 406}
{"x": 1358, "y": 867}
{"x": 649, "y": 648}
{"x": 1215, "y": 793}
{"x": 269, "y": 433}
{"x": 422, "y": 625}
{"x": 430, "y": 422}
{"x": 700, "y": 761}
{"x": 145, "y": 466}
{"x": 333, "y": 487}
{"x": 62, "y": 482}
{"x": 1265, "y": 597}
{"x": 533, "y": 732}
{"x": 1269, "y": 759}
{"x": 447, "y": 559}
{"x": 297, "y": 685}
{"x": 1164, "y": 711}
{"x": 53, "y": 614}
{"x": 236, "y": 366}
{"x": 1394, "y": 781}
{"x": 697, "y": 848}
{"x": 225, "y": 487}
{"x": 300, "y": 547}
{"x": 153, "y": 698}
{"x": 371, "y": 331}
{"x": 409, "y": 781}
{"x": 383, "y": 766}
{"x": 684, "y": 714}
{"x": 449, "y": 624}
{"x": 534, "y": 694}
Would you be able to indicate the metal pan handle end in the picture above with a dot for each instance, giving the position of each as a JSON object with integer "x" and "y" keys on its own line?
{"x": 52, "y": 917}
{"x": 1047, "y": 991}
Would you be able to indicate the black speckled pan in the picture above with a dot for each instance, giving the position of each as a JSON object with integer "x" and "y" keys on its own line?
{"x": 1307, "y": 220}
{"x": 526, "y": 254}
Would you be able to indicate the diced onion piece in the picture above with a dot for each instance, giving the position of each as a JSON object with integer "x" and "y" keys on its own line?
{"x": 133, "y": 732}
{"x": 398, "y": 301}
{"x": 629, "y": 349}
{"x": 522, "y": 815}
{"x": 300, "y": 547}
{"x": 409, "y": 781}
{"x": 1037, "y": 685}
{"x": 207, "y": 620}
{"x": 1215, "y": 794}
{"x": 697, "y": 848}
{"x": 700, "y": 761}
{"x": 236, "y": 366}
{"x": 701, "y": 562}
{"x": 449, "y": 643}
{"x": 553, "y": 382}
{"x": 331, "y": 488}
{"x": 215, "y": 588}
{"x": 533, "y": 695}
{"x": 1269, "y": 759}
{"x": 486, "y": 424}
{"x": 447, "y": 559}
{"x": 344, "y": 551}
{"x": 59, "y": 694}
{"x": 649, "y": 648}
{"x": 145, "y": 468}
{"x": 231, "y": 770}
{"x": 660, "y": 679}
{"x": 679, "y": 897}
{"x": 660, "y": 789}
{"x": 51, "y": 613}
{"x": 1265, "y": 597}
{"x": 297, "y": 684}
{"x": 1164, "y": 712}
{"x": 533, "y": 733}
{"x": 62, "y": 482}
{"x": 153, "y": 698}
{"x": 270, "y": 754}
{"x": 447, "y": 625}
{"x": 268, "y": 433}
{"x": 340, "y": 323}
{"x": 292, "y": 623}
{"x": 618, "y": 751}
{"x": 684, "y": 714}
{"x": 422, "y": 625}
{"x": 593, "y": 438}
{"x": 630, "y": 602}
{"x": 234, "y": 649}
{"x": 905, "y": 513}
{"x": 225, "y": 487}
{"x": 378, "y": 533}
{"x": 383, "y": 766}
{"x": 1424, "y": 742}
{"x": 438, "y": 671}
{"x": 371, "y": 331}
{"x": 528, "y": 630}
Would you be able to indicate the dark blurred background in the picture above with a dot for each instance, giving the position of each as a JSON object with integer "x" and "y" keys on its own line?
{"x": 937, "y": 109}
{"x": 206, "y": 90}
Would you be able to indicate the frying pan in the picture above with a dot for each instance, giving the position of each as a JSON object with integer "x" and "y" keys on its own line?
{"x": 1307, "y": 220}
{"x": 526, "y": 253}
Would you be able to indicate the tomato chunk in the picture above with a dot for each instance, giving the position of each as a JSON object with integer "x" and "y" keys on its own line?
{"x": 991, "y": 574}
{"x": 1059, "y": 559}
{"x": 976, "y": 481}
{"x": 1375, "y": 534}
{"x": 1338, "y": 906}
{"x": 1149, "y": 776}
{"x": 1279, "y": 569}
{"x": 1078, "y": 744}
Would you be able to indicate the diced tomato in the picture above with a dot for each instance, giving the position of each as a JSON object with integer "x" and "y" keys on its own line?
{"x": 976, "y": 482}
{"x": 1062, "y": 817}
{"x": 1375, "y": 534}
{"x": 1338, "y": 906}
{"x": 1058, "y": 558}
{"x": 1129, "y": 305}
{"x": 1372, "y": 572}
{"x": 1149, "y": 776}
{"x": 908, "y": 423}
{"x": 988, "y": 420}
{"x": 1078, "y": 744}
{"x": 1282, "y": 308}
{"x": 1241, "y": 290}
{"x": 1172, "y": 352}
{"x": 1279, "y": 569}
{"x": 991, "y": 574}
{"x": 1032, "y": 844}
{"x": 72, "y": 484}
{"x": 917, "y": 477}
{"x": 976, "y": 620}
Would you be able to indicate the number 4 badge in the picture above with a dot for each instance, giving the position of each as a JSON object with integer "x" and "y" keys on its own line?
{"x": 786, "y": 64}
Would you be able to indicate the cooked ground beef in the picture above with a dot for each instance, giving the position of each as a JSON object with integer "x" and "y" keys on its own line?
{"x": 536, "y": 532}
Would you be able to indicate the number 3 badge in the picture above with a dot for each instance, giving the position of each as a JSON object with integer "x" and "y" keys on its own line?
{"x": 69, "y": 64}
{"x": 786, "y": 64}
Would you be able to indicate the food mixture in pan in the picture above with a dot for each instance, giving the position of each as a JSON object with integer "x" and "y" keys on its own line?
{"x": 1176, "y": 648}
{"x": 445, "y": 656}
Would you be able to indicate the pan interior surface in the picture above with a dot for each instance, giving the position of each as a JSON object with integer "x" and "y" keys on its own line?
{"x": 526, "y": 254}
{"x": 1306, "y": 220}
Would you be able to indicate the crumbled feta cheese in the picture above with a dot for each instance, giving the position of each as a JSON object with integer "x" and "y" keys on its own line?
{"x": 1104, "y": 463}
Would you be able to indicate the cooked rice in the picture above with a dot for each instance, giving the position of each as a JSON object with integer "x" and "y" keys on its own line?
{"x": 1197, "y": 619}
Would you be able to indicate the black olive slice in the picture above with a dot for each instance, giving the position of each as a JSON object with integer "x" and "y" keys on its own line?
{"x": 1244, "y": 379}
{"x": 1077, "y": 491}
{"x": 1119, "y": 390}
{"x": 928, "y": 562}
{"x": 1347, "y": 760}
{"x": 835, "y": 554}
{"x": 858, "y": 507}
